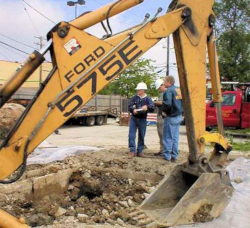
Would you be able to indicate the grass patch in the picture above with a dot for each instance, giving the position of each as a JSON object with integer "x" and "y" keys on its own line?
{"x": 241, "y": 146}
{"x": 244, "y": 146}
{"x": 239, "y": 131}
{"x": 231, "y": 131}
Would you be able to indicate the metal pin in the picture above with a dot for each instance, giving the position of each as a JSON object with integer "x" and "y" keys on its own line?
{"x": 160, "y": 10}
{"x": 147, "y": 16}
{"x": 157, "y": 13}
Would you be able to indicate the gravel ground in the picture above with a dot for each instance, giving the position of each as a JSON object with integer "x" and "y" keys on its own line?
{"x": 109, "y": 136}
{"x": 104, "y": 203}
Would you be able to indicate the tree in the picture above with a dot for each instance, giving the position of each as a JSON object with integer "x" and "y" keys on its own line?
{"x": 233, "y": 33}
{"x": 141, "y": 71}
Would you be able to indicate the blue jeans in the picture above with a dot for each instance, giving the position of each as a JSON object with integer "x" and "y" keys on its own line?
{"x": 141, "y": 125}
{"x": 171, "y": 137}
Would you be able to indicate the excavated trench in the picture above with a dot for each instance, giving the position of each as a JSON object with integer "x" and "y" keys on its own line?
{"x": 85, "y": 195}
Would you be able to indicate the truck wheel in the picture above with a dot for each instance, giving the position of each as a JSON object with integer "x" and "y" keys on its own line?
{"x": 99, "y": 120}
{"x": 209, "y": 129}
{"x": 82, "y": 121}
{"x": 105, "y": 119}
{"x": 90, "y": 121}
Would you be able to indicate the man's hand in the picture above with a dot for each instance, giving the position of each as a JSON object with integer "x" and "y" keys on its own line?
{"x": 135, "y": 112}
{"x": 145, "y": 108}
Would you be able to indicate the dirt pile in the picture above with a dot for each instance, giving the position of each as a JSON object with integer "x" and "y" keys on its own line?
{"x": 9, "y": 114}
{"x": 92, "y": 197}
{"x": 203, "y": 214}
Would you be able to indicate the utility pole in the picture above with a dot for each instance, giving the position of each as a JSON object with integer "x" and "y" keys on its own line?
{"x": 167, "y": 72}
{"x": 41, "y": 68}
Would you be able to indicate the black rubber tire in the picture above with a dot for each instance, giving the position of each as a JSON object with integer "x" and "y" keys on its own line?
{"x": 209, "y": 129}
{"x": 82, "y": 121}
{"x": 90, "y": 121}
{"x": 99, "y": 120}
{"x": 105, "y": 119}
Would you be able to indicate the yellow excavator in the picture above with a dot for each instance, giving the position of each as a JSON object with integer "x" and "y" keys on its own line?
{"x": 84, "y": 64}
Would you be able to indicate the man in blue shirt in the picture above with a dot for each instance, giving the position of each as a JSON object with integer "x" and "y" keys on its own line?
{"x": 172, "y": 110}
{"x": 139, "y": 107}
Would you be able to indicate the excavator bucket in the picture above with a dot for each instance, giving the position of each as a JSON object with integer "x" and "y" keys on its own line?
{"x": 184, "y": 198}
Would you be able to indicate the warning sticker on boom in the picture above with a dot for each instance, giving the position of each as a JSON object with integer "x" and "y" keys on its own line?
{"x": 72, "y": 46}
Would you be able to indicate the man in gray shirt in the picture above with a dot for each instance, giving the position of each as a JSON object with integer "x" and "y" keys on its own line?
{"x": 159, "y": 85}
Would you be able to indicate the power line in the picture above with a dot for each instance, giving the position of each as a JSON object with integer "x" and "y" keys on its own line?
{"x": 4, "y": 55}
{"x": 38, "y": 12}
{"x": 172, "y": 68}
{"x": 29, "y": 17}
{"x": 12, "y": 51}
{"x": 13, "y": 47}
{"x": 17, "y": 41}
{"x": 159, "y": 64}
{"x": 164, "y": 68}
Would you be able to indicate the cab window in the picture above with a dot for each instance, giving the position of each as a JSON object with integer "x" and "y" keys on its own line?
{"x": 228, "y": 99}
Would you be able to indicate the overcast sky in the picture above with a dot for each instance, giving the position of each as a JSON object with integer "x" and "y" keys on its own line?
{"x": 23, "y": 25}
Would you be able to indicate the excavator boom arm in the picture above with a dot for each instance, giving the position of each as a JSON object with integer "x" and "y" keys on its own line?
{"x": 77, "y": 76}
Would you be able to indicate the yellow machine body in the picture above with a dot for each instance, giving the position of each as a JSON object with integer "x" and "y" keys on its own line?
{"x": 84, "y": 64}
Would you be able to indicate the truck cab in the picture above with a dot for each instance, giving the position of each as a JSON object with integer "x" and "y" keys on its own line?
{"x": 235, "y": 110}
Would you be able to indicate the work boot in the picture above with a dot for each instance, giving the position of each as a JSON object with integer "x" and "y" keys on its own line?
{"x": 131, "y": 155}
{"x": 141, "y": 155}
{"x": 158, "y": 154}
{"x": 173, "y": 160}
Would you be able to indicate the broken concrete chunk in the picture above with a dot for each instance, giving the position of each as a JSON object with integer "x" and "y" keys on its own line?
{"x": 61, "y": 211}
{"x": 71, "y": 187}
{"x": 105, "y": 213}
{"x": 238, "y": 180}
{"x": 123, "y": 203}
{"x": 131, "y": 203}
{"x": 120, "y": 222}
{"x": 82, "y": 216}
{"x": 130, "y": 181}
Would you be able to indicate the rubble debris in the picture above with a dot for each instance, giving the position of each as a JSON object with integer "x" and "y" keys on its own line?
{"x": 60, "y": 211}
{"x": 238, "y": 180}
{"x": 9, "y": 114}
{"x": 203, "y": 214}
{"x": 91, "y": 197}
{"x": 120, "y": 222}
